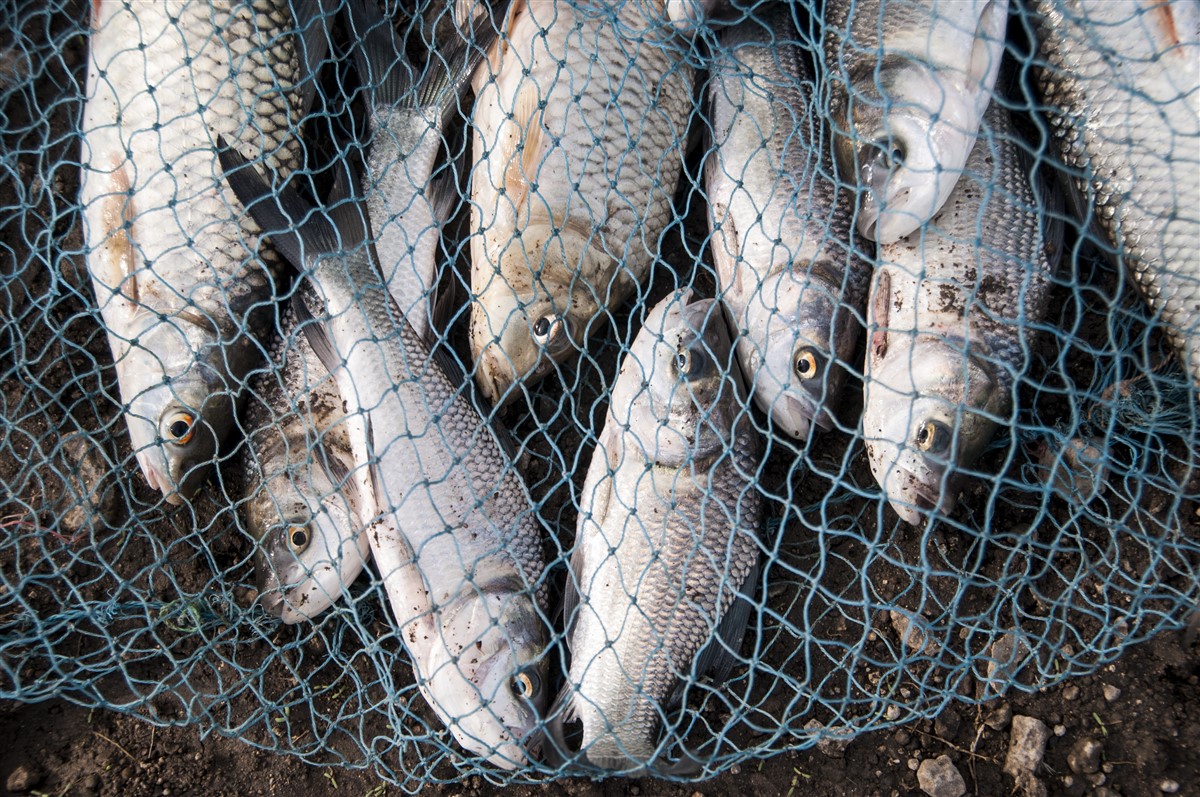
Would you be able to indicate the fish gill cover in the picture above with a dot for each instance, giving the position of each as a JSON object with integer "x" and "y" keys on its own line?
{"x": 936, "y": 439}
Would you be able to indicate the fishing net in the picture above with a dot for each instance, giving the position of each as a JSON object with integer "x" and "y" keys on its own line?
{"x": 1076, "y": 534}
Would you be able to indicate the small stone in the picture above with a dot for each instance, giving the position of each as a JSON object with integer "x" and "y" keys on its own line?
{"x": 1070, "y": 692}
{"x": 938, "y": 777}
{"x": 914, "y": 764}
{"x": 1060, "y": 730}
{"x": 1169, "y": 786}
{"x": 913, "y": 632}
{"x": 1084, "y": 756}
{"x": 635, "y": 791}
{"x": 833, "y": 742}
{"x": 23, "y": 778}
{"x": 946, "y": 724}
{"x": 1111, "y": 692}
{"x": 902, "y": 737}
{"x": 1026, "y": 746}
{"x": 998, "y": 718}
{"x": 1068, "y": 781}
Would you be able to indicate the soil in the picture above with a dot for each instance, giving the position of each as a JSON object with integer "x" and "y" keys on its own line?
{"x": 875, "y": 647}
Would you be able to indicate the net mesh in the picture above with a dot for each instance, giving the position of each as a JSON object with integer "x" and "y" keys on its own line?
{"x": 1075, "y": 535}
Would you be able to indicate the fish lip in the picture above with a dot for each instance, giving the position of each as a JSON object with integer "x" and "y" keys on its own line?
{"x": 494, "y": 379}
{"x": 918, "y": 503}
{"x": 160, "y": 482}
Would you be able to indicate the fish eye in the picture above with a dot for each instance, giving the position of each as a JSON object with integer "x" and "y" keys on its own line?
{"x": 808, "y": 363}
{"x": 691, "y": 363}
{"x": 181, "y": 427}
{"x": 548, "y": 329}
{"x": 933, "y": 437}
{"x": 525, "y": 684}
{"x": 298, "y": 538}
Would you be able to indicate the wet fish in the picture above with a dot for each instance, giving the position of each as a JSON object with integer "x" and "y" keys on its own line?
{"x": 783, "y": 242}
{"x": 580, "y": 120}
{"x": 1122, "y": 81}
{"x": 454, "y": 535}
{"x": 300, "y": 503}
{"x": 181, "y": 281}
{"x": 952, "y": 314}
{"x": 406, "y": 112}
{"x": 666, "y": 534}
{"x": 909, "y": 81}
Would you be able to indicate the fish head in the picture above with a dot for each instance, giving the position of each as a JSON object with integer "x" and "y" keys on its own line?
{"x": 684, "y": 354}
{"x": 308, "y": 549}
{"x": 519, "y": 333}
{"x": 487, "y": 681}
{"x": 931, "y": 409}
{"x": 906, "y": 148}
{"x": 180, "y": 406}
{"x": 794, "y": 323}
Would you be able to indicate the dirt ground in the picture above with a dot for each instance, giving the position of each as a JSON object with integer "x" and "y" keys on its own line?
{"x": 1140, "y": 711}
{"x": 863, "y": 621}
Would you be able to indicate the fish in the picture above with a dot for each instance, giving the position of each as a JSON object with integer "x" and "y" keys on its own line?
{"x": 1121, "y": 83}
{"x": 299, "y": 505}
{"x": 182, "y": 282}
{"x": 666, "y": 538}
{"x": 579, "y": 122}
{"x": 406, "y": 113}
{"x": 909, "y": 81}
{"x": 952, "y": 315}
{"x": 790, "y": 272}
{"x": 453, "y": 530}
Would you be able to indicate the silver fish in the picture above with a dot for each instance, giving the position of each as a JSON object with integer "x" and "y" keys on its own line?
{"x": 1123, "y": 82}
{"x": 406, "y": 112}
{"x": 783, "y": 242}
{"x": 909, "y": 81}
{"x": 580, "y": 120}
{"x": 952, "y": 312}
{"x": 454, "y": 535}
{"x": 176, "y": 266}
{"x": 666, "y": 533}
{"x": 295, "y": 468}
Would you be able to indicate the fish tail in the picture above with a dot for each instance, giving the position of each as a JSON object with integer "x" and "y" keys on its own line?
{"x": 393, "y": 80}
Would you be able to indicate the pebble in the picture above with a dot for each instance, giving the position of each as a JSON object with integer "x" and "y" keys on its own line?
{"x": 23, "y": 778}
{"x": 1169, "y": 786}
{"x": 946, "y": 724}
{"x": 833, "y": 745}
{"x": 1009, "y": 655}
{"x": 938, "y": 777}
{"x": 1026, "y": 746}
{"x": 1070, "y": 692}
{"x": 912, "y": 631}
{"x": 89, "y": 498}
{"x": 998, "y": 718}
{"x": 903, "y": 737}
{"x": 1111, "y": 692}
{"x": 1084, "y": 756}
{"x": 1060, "y": 730}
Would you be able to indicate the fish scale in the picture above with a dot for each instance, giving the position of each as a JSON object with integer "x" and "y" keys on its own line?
{"x": 785, "y": 251}
{"x": 951, "y": 316}
{"x": 180, "y": 278}
{"x": 666, "y": 532}
{"x": 1122, "y": 82}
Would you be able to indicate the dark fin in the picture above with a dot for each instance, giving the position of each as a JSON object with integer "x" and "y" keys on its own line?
{"x": 394, "y": 82}
{"x": 881, "y": 301}
{"x": 298, "y": 231}
{"x": 315, "y": 334}
{"x": 686, "y": 766}
{"x": 552, "y": 738}
{"x": 720, "y": 655}
{"x": 312, "y": 18}
{"x": 339, "y": 474}
{"x": 570, "y": 598}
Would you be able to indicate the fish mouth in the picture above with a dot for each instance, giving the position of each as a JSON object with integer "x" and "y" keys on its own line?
{"x": 160, "y": 482}
{"x": 916, "y": 501}
{"x": 494, "y": 375}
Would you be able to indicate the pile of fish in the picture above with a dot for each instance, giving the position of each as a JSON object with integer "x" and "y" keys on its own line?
{"x": 862, "y": 180}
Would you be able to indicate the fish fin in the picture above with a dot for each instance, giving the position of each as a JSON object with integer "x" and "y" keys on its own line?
{"x": 719, "y": 656}
{"x": 881, "y": 300}
{"x": 556, "y": 749}
{"x": 316, "y": 335}
{"x": 520, "y": 169}
{"x": 283, "y": 215}
{"x": 339, "y": 474}
{"x": 393, "y": 81}
{"x": 312, "y": 33}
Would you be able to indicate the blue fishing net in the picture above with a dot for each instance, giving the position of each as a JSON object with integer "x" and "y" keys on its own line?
{"x": 1075, "y": 537}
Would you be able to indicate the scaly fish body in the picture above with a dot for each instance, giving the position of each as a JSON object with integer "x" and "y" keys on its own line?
{"x": 310, "y": 541}
{"x": 175, "y": 264}
{"x": 666, "y": 534}
{"x": 909, "y": 80}
{"x": 783, "y": 242}
{"x": 951, "y": 314}
{"x": 455, "y": 537}
{"x": 580, "y": 121}
{"x": 1123, "y": 82}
